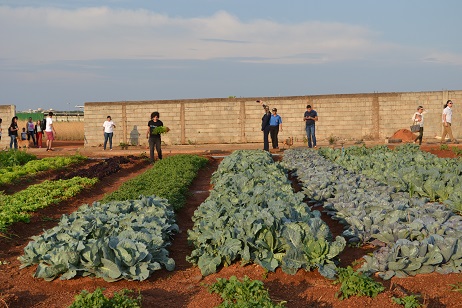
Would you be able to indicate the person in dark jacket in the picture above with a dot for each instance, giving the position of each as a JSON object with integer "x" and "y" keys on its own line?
{"x": 265, "y": 127}
{"x": 13, "y": 133}
{"x": 153, "y": 137}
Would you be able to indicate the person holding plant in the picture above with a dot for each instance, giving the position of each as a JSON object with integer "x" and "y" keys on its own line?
{"x": 418, "y": 118}
{"x": 153, "y": 135}
{"x": 108, "y": 130}
{"x": 13, "y": 133}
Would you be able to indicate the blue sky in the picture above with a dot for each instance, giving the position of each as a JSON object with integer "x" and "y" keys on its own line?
{"x": 58, "y": 54}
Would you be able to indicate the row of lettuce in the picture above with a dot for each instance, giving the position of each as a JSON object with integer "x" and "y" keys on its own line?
{"x": 414, "y": 235}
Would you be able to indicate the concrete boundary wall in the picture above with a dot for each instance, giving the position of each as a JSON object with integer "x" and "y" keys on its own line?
{"x": 238, "y": 120}
{"x": 7, "y": 112}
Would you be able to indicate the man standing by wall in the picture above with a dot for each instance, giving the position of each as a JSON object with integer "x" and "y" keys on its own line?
{"x": 310, "y": 118}
{"x": 447, "y": 120}
{"x": 275, "y": 126}
{"x": 265, "y": 126}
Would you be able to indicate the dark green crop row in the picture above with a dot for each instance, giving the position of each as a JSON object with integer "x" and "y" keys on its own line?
{"x": 169, "y": 178}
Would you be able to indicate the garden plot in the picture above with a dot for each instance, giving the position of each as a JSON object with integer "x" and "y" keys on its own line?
{"x": 417, "y": 236}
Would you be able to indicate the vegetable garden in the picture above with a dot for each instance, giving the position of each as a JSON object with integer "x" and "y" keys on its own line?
{"x": 180, "y": 231}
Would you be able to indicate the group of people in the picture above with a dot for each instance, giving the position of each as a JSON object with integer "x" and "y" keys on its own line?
{"x": 32, "y": 131}
{"x": 271, "y": 124}
{"x": 446, "y": 118}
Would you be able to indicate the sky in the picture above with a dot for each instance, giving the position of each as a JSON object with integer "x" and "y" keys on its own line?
{"x": 62, "y": 53}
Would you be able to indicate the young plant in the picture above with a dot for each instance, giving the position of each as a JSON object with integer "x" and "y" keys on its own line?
{"x": 98, "y": 300}
{"x": 356, "y": 284}
{"x": 456, "y": 287}
{"x": 245, "y": 293}
{"x": 409, "y": 301}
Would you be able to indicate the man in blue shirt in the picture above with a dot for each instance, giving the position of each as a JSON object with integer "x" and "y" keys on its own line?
{"x": 310, "y": 118}
{"x": 275, "y": 126}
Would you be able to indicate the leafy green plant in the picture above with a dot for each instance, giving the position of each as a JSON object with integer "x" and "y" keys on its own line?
{"x": 457, "y": 151}
{"x": 444, "y": 147}
{"x": 15, "y": 171}
{"x": 17, "y": 207}
{"x": 332, "y": 139}
{"x": 161, "y": 130}
{"x": 457, "y": 287}
{"x": 253, "y": 215}
{"x": 97, "y": 299}
{"x": 168, "y": 178}
{"x": 12, "y": 158}
{"x": 245, "y": 293}
{"x": 356, "y": 284}
{"x": 116, "y": 240}
{"x": 408, "y": 301}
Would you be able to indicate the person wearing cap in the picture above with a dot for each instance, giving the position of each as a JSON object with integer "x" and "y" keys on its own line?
{"x": 275, "y": 125}
{"x": 265, "y": 126}
{"x": 310, "y": 117}
{"x": 50, "y": 131}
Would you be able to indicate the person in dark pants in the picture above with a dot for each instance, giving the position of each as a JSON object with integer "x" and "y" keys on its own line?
{"x": 31, "y": 131}
{"x": 265, "y": 127}
{"x": 310, "y": 117}
{"x": 154, "y": 139}
{"x": 13, "y": 133}
{"x": 275, "y": 127}
{"x": 418, "y": 118}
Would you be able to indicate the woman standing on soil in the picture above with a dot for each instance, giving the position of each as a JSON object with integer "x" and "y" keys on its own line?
{"x": 108, "y": 129}
{"x": 39, "y": 133}
{"x": 154, "y": 138}
{"x": 418, "y": 118}
{"x": 13, "y": 132}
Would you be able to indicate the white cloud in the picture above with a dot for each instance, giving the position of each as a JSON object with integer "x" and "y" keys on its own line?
{"x": 37, "y": 35}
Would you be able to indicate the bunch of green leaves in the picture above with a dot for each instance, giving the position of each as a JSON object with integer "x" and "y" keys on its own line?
{"x": 12, "y": 158}
{"x": 246, "y": 293}
{"x": 161, "y": 130}
{"x": 97, "y": 299}
{"x": 253, "y": 215}
{"x": 116, "y": 240}
{"x": 17, "y": 207}
{"x": 11, "y": 173}
{"x": 169, "y": 178}
{"x": 408, "y": 301}
{"x": 356, "y": 284}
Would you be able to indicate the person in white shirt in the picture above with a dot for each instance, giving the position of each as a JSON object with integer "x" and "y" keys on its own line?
{"x": 447, "y": 120}
{"x": 418, "y": 118}
{"x": 108, "y": 129}
{"x": 50, "y": 131}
